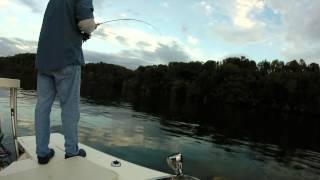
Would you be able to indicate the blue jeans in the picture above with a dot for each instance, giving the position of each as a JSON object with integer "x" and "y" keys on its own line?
{"x": 65, "y": 83}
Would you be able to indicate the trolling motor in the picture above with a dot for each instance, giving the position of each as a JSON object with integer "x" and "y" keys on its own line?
{"x": 175, "y": 162}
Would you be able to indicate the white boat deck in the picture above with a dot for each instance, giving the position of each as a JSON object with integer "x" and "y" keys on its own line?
{"x": 71, "y": 169}
{"x": 95, "y": 166}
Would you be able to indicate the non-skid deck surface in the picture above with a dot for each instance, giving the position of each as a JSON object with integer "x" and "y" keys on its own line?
{"x": 71, "y": 169}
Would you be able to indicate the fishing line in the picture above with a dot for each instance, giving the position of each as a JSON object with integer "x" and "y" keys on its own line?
{"x": 131, "y": 19}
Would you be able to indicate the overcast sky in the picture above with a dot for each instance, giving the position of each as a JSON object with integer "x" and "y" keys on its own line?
{"x": 189, "y": 30}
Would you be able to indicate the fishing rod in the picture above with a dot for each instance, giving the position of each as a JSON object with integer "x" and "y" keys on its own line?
{"x": 87, "y": 36}
{"x": 130, "y": 19}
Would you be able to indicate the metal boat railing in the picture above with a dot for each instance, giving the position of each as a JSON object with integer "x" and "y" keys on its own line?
{"x": 12, "y": 85}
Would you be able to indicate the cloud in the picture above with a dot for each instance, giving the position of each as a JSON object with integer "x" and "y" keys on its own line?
{"x": 165, "y": 4}
{"x": 4, "y": 3}
{"x": 309, "y": 53}
{"x": 240, "y": 36}
{"x": 236, "y": 22}
{"x": 243, "y": 8}
{"x": 206, "y": 7}
{"x": 296, "y": 32}
{"x": 118, "y": 59}
{"x": 124, "y": 15}
{"x": 14, "y": 46}
{"x": 147, "y": 43}
{"x": 122, "y": 40}
{"x": 142, "y": 44}
{"x": 126, "y": 36}
{"x": 165, "y": 53}
{"x": 134, "y": 58}
{"x": 98, "y": 3}
{"x": 301, "y": 29}
{"x": 184, "y": 29}
{"x": 140, "y": 48}
{"x": 192, "y": 40}
{"x": 100, "y": 33}
{"x": 37, "y": 6}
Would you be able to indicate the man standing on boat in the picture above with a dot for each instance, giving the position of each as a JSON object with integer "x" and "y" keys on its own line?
{"x": 59, "y": 58}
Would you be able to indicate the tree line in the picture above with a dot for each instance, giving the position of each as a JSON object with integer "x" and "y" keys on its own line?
{"x": 235, "y": 94}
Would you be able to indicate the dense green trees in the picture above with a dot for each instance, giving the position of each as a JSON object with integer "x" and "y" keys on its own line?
{"x": 19, "y": 66}
{"x": 103, "y": 81}
{"x": 188, "y": 88}
{"x": 235, "y": 94}
{"x": 233, "y": 82}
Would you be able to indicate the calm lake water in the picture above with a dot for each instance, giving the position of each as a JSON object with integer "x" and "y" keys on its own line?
{"x": 147, "y": 140}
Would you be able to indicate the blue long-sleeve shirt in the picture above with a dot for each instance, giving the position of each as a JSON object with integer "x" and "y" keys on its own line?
{"x": 60, "y": 42}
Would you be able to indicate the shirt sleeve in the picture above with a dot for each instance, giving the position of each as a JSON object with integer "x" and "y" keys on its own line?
{"x": 84, "y": 10}
{"x": 87, "y": 25}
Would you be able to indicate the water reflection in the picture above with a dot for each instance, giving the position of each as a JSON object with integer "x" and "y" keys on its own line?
{"x": 147, "y": 140}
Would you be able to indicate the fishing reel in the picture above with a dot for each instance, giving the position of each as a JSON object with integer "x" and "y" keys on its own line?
{"x": 85, "y": 36}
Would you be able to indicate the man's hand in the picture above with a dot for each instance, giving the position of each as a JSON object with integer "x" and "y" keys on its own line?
{"x": 86, "y": 27}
